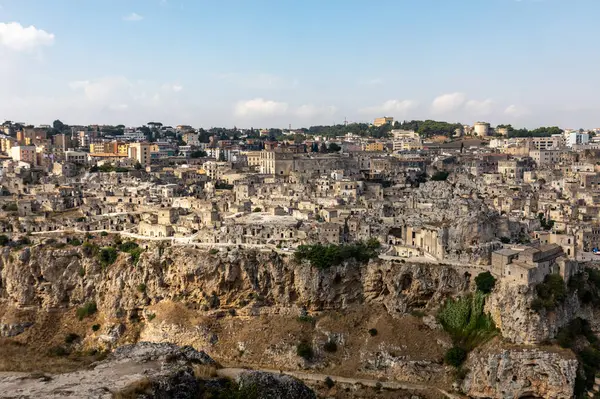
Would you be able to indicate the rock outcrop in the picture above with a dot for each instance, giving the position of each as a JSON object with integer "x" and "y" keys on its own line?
{"x": 520, "y": 373}
{"x": 62, "y": 278}
{"x": 510, "y": 308}
{"x": 147, "y": 370}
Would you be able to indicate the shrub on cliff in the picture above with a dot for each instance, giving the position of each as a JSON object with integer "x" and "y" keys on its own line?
{"x": 455, "y": 356}
{"x": 4, "y": 240}
{"x": 330, "y": 346}
{"x": 465, "y": 321}
{"x": 325, "y": 256}
{"x": 86, "y": 310}
{"x": 304, "y": 350}
{"x": 551, "y": 292}
{"x": 107, "y": 256}
{"x": 485, "y": 282}
{"x": 89, "y": 249}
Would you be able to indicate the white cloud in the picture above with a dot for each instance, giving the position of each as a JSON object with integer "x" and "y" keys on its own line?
{"x": 516, "y": 111}
{"x": 311, "y": 111}
{"x": 476, "y": 107}
{"x": 103, "y": 89}
{"x": 391, "y": 107}
{"x": 448, "y": 102}
{"x": 260, "y": 107}
{"x": 16, "y": 37}
{"x": 176, "y": 87}
{"x": 133, "y": 17}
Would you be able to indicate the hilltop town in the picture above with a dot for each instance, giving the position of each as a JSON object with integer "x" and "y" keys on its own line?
{"x": 329, "y": 240}
{"x": 475, "y": 195}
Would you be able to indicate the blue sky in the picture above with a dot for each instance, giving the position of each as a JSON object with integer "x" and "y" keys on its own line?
{"x": 300, "y": 62}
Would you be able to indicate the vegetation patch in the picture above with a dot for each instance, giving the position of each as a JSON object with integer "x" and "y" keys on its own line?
{"x": 325, "y": 256}
{"x": 440, "y": 176}
{"x": 455, "y": 356}
{"x": 466, "y": 323}
{"x": 304, "y": 350}
{"x": 579, "y": 337}
{"x": 587, "y": 286}
{"x": 330, "y": 346}
{"x": 550, "y": 293}
{"x": 485, "y": 282}
{"x": 70, "y": 338}
{"x": 107, "y": 256}
{"x": 86, "y": 310}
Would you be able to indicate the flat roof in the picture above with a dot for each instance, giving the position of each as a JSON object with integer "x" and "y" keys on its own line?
{"x": 506, "y": 252}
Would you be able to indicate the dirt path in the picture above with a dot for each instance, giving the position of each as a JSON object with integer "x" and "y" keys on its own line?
{"x": 233, "y": 373}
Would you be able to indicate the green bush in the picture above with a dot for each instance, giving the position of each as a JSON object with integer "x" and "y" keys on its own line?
{"x": 104, "y": 234}
{"x": 440, "y": 176}
{"x": 330, "y": 346}
{"x": 304, "y": 350}
{"x": 70, "y": 338}
{"x": 141, "y": 288}
{"x": 128, "y": 246}
{"x": 373, "y": 332}
{"x": 81, "y": 271}
{"x": 329, "y": 383}
{"x": 325, "y": 256}
{"x": 12, "y": 207}
{"x": 58, "y": 351}
{"x": 107, "y": 256}
{"x": 89, "y": 249}
{"x": 455, "y": 356}
{"x": 75, "y": 242}
{"x": 256, "y": 209}
{"x": 213, "y": 251}
{"x": 465, "y": 321}
{"x": 86, "y": 310}
{"x": 551, "y": 292}
{"x": 135, "y": 255}
{"x": 485, "y": 282}
{"x": 306, "y": 319}
{"x": 96, "y": 327}
{"x": 4, "y": 240}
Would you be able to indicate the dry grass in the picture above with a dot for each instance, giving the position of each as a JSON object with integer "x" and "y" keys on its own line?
{"x": 205, "y": 371}
{"x": 133, "y": 390}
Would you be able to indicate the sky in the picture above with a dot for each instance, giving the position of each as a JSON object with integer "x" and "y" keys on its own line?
{"x": 275, "y": 63}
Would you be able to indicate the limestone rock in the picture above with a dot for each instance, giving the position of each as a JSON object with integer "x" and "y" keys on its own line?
{"x": 510, "y": 308}
{"x": 275, "y": 386}
{"x": 147, "y": 370}
{"x": 519, "y": 373}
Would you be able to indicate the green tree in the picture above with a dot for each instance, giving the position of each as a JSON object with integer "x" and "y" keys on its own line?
{"x": 485, "y": 282}
{"x": 333, "y": 147}
{"x": 455, "y": 356}
{"x": 58, "y": 125}
{"x": 198, "y": 154}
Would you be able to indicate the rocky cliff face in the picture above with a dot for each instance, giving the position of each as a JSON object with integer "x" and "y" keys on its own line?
{"x": 48, "y": 278}
{"x": 205, "y": 299}
{"x": 510, "y": 307}
{"x": 520, "y": 373}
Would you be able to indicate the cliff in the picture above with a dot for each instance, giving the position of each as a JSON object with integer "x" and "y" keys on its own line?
{"x": 255, "y": 307}
{"x": 519, "y": 373}
{"x": 48, "y": 278}
{"x": 510, "y": 306}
